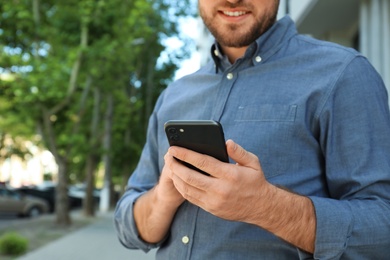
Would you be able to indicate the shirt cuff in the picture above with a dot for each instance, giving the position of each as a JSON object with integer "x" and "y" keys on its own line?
{"x": 334, "y": 227}
{"x": 125, "y": 225}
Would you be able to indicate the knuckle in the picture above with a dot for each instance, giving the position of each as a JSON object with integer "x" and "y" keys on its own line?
{"x": 234, "y": 177}
{"x": 202, "y": 163}
{"x": 167, "y": 159}
{"x": 242, "y": 153}
{"x": 223, "y": 195}
{"x": 218, "y": 206}
{"x": 190, "y": 179}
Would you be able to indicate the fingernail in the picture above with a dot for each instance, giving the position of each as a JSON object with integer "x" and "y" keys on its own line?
{"x": 234, "y": 144}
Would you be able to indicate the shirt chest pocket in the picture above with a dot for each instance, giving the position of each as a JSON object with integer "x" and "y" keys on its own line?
{"x": 266, "y": 113}
{"x": 267, "y": 131}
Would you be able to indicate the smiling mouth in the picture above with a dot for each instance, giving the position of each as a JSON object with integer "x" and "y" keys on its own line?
{"x": 234, "y": 14}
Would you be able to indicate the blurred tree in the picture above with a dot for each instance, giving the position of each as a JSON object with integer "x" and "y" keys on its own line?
{"x": 84, "y": 74}
{"x": 13, "y": 145}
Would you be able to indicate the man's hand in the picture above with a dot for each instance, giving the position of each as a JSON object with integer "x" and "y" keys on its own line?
{"x": 154, "y": 211}
{"x": 231, "y": 192}
{"x": 166, "y": 190}
{"x": 240, "y": 192}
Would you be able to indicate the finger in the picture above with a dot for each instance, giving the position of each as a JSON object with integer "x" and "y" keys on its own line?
{"x": 173, "y": 164}
{"x": 186, "y": 174}
{"x": 188, "y": 192}
{"x": 242, "y": 156}
{"x": 206, "y": 163}
{"x": 192, "y": 185}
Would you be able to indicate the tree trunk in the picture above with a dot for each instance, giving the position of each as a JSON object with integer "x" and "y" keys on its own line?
{"x": 126, "y": 165}
{"x": 105, "y": 195}
{"x": 89, "y": 201}
{"x": 93, "y": 157}
{"x": 62, "y": 200}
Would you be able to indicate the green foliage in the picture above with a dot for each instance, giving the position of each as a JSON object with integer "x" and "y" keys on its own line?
{"x": 56, "y": 55}
{"x": 13, "y": 244}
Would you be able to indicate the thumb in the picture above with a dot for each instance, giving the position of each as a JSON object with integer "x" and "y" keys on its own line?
{"x": 242, "y": 156}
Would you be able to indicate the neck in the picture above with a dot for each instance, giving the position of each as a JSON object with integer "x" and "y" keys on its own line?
{"x": 234, "y": 53}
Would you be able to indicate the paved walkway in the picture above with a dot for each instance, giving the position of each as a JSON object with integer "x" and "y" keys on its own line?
{"x": 97, "y": 241}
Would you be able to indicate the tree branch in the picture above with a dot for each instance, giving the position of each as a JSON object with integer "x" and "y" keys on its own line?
{"x": 75, "y": 70}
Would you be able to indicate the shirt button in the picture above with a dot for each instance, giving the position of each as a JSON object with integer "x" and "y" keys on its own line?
{"x": 229, "y": 76}
{"x": 258, "y": 59}
{"x": 185, "y": 240}
{"x": 216, "y": 53}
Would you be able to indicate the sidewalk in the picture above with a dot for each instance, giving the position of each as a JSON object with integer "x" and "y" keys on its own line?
{"x": 97, "y": 241}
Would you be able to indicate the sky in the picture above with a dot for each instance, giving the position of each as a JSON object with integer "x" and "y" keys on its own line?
{"x": 190, "y": 28}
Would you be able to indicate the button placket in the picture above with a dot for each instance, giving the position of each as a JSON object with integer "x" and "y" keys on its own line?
{"x": 226, "y": 84}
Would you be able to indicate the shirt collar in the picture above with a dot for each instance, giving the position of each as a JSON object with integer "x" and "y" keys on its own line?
{"x": 263, "y": 48}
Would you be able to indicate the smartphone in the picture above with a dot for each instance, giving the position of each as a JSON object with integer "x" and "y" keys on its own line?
{"x": 202, "y": 136}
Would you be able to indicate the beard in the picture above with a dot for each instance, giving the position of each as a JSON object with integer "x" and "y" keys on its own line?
{"x": 236, "y": 36}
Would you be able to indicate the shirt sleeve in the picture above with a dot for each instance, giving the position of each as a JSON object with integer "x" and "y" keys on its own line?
{"x": 355, "y": 137}
{"x": 144, "y": 178}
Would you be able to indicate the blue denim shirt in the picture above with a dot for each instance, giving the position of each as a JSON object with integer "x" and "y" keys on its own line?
{"x": 316, "y": 115}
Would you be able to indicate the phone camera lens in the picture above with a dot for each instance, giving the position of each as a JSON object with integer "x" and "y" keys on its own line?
{"x": 175, "y": 137}
{"x": 172, "y": 130}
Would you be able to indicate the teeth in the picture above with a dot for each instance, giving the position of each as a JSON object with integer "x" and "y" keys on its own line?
{"x": 238, "y": 13}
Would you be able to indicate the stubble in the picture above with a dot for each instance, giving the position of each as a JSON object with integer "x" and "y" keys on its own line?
{"x": 237, "y": 36}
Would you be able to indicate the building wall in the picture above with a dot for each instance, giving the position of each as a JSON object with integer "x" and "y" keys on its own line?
{"x": 375, "y": 35}
{"x": 363, "y": 25}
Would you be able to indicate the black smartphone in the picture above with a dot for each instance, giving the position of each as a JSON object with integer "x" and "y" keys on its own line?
{"x": 202, "y": 136}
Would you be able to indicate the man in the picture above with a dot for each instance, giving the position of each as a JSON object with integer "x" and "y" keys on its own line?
{"x": 310, "y": 143}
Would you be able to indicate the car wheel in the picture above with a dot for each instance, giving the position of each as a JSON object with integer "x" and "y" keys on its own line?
{"x": 34, "y": 212}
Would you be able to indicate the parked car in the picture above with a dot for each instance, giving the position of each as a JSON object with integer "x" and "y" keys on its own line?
{"x": 77, "y": 194}
{"x": 45, "y": 191}
{"x": 13, "y": 202}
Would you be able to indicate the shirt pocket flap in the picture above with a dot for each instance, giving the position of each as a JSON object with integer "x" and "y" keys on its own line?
{"x": 266, "y": 113}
